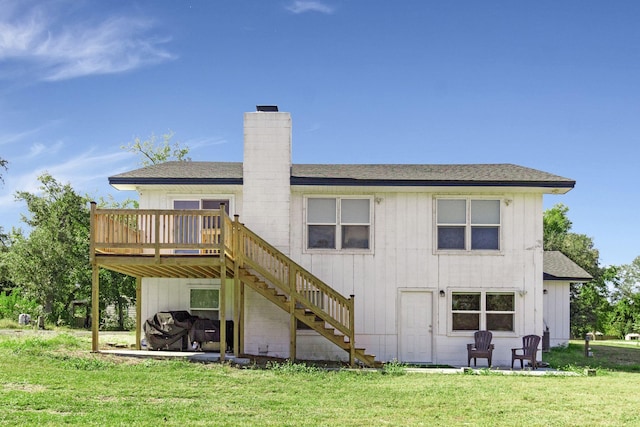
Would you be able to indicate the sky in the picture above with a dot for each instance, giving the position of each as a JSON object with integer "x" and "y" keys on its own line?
{"x": 551, "y": 85}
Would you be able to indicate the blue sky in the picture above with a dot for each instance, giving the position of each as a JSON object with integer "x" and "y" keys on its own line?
{"x": 553, "y": 85}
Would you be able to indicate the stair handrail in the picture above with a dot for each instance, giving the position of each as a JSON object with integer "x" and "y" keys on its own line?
{"x": 335, "y": 309}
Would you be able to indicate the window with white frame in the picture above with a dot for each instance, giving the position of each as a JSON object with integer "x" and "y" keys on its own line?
{"x": 468, "y": 224}
{"x": 204, "y": 302}
{"x": 338, "y": 223}
{"x": 484, "y": 310}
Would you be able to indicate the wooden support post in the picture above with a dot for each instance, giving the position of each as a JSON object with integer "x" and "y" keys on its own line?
{"x": 95, "y": 306}
{"x": 292, "y": 313}
{"x": 223, "y": 286}
{"x": 242, "y": 317}
{"x": 235, "y": 239}
{"x": 138, "y": 312}
{"x": 352, "y": 331}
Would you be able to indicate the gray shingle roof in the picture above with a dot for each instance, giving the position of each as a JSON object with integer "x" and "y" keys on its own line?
{"x": 557, "y": 266}
{"x": 353, "y": 174}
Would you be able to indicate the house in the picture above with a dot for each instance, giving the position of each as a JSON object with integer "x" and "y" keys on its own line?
{"x": 559, "y": 273}
{"x": 335, "y": 261}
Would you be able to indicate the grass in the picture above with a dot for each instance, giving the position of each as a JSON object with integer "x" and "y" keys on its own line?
{"x": 52, "y": 379}
{"x": 614, "y": 356}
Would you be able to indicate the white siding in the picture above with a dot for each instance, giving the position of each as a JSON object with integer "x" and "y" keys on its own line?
{"x": 403, "y": 257}
{"x": 266, "y": 327}
{"x": 556, "y": 312}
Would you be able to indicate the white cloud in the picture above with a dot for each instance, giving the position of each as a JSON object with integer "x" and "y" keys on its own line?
{"x": 38, "y": 149}
{"x": 313, "y": 128}
{"x": 34, "y": 37}
{"x": 197, "y": 143}
{"x": 11, "y": 138}
{"x": 84, "y": 172}
{"x": 303, "y": 6}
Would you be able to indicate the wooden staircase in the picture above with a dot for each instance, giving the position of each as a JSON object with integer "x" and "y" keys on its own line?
{"x": 166, "y": 243}
{"x": 279, "y": 279}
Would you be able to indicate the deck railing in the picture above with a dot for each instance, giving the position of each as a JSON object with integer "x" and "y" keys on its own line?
{"x": 154, "y": 232}
{"x": 160, "y": 232}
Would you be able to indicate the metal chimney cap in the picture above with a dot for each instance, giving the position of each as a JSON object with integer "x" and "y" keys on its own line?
{"x": 267, "y": 108}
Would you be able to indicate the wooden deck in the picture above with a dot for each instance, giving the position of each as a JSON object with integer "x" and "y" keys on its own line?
{"x": 208, "y": 244}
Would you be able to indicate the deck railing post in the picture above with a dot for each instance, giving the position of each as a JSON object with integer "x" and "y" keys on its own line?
{"x": 157, "y": 235}
{"x": 92, "y": 234}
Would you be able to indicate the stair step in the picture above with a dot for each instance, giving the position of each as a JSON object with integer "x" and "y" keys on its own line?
{"x": 308, "y": 316}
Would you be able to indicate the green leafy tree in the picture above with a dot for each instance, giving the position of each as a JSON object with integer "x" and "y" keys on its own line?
{"x": 629, "y": 280}
{"x": 51, "y": 264}
{"x": 590, "y": 307}
{"x": 625, "y": 317}
{"x": 153, "y": 151}
{"x": 5, "y": 243}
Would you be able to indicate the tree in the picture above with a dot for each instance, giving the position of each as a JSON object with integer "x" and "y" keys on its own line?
{"x": 556, "y": 227}
{"x": 625, "y": 317}
{"x": 51, "y": 264}
{"x": 590, "y": 308}
{"x": 152, "y": 151}
{"x": 117, "y": 288}
{"x": 3, "y": 165}
{"x": 5, "y": 243}
{"x": 629, "y": 280}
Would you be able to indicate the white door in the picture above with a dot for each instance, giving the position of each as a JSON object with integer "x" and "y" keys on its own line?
{"x": 415, "y": 326}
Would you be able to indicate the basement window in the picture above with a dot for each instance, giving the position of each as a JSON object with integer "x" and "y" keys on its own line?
{"x": 204, "y": 302}
{"x": 475, "y": 311}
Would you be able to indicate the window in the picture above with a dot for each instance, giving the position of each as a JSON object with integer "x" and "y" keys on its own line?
{"x": 204, "y": 302}
{"x": 188, "y": 229}
{"x": 338, "y": 223}
{"x": 467, "y": 224}
{"x": 474, "y": 311}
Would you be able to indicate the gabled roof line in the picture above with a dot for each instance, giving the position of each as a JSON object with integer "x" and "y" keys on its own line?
{"x": 376, "y": 175}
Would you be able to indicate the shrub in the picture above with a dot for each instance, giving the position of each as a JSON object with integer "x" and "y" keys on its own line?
{"x": 394, "y": 368}
{"x": 12, "y": 304}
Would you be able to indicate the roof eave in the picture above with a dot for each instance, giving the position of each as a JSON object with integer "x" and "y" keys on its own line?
{"x": 124, "y": 183}
{"x": 555, "y": 186}
{"x": 550, "y": 277}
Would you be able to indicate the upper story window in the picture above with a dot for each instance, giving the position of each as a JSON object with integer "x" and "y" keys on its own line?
{"x": 338, "y": 223}
{"x": 468, "y": 224}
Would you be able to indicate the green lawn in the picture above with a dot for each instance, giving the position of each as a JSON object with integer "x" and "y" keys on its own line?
{"x": 54, "y": 379}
